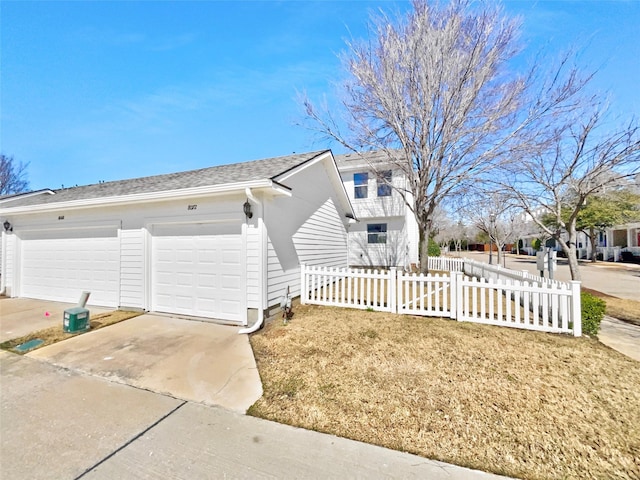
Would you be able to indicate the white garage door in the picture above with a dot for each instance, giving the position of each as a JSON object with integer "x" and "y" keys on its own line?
{"x": 199, "y": 270}
{"x": 60, "y": 264}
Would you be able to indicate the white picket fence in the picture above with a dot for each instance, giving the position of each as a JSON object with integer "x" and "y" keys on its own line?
{"x": 447, "y": 264}
{"x": 548, "y": 307}
{"x": 473, "y": 268}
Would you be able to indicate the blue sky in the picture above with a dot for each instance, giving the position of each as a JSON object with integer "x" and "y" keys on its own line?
{"x": 97, "y": 91}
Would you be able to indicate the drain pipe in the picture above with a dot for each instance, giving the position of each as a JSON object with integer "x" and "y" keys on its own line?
{"x": 259, "y": 323}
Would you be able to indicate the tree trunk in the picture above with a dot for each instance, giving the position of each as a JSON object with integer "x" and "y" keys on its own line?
{"x": 572, "y": 256}
{"x": 592, "y": 239}
{"x": 425, "y": 231}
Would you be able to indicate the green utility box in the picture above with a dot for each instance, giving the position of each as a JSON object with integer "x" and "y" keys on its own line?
{"x": 76, "y": 319}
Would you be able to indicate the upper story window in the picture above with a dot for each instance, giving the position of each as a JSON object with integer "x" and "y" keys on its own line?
{"x": 360, "y": 182}
{"x": 384, "y": 183}
{"x": 377, "y": 233}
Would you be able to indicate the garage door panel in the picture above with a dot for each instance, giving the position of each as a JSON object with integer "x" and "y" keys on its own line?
{"x": 206, "y": 280}
{"x": 60, "y": 265}
{"x": 199, "y": 270}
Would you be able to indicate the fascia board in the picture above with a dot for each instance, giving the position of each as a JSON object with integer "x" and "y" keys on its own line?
{"x": 312, "y": 161}
{"x": 20, "y": 196}
{"x": 336, "y": 179}
{"x": 334, "y": 175}
{"x": 182, "y": 193}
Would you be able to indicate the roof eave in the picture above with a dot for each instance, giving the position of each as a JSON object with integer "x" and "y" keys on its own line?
{"x": 274, "y": 188}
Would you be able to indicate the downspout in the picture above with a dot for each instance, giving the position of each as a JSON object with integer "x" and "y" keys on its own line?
{"x": 256, "y": 326}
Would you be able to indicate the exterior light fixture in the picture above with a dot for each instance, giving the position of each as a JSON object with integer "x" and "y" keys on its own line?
{"x": 7, "y": 226}
{"x": 247, "y": 209}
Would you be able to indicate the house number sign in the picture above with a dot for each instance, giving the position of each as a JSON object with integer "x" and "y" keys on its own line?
{"x": 192, "y": 207}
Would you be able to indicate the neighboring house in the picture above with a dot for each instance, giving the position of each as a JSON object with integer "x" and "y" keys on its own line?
{"x": 181, "y": 243}
{"x": 611, "y": 243}
{"x": 626, "y": 237}
{"x": 386, "y": 233}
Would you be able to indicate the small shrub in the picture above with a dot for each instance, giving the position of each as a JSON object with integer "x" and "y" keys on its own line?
{"x": 433, "y": 249}
{"x": 536, "y": 244}
{"x": 593, "y": 309}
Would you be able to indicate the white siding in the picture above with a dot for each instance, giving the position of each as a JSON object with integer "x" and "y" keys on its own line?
{"x": 279, "y": 278}
{"x": 402, "y": 242}
{"x": 413, "y": 238}
{"x": 8, "y": 263}
{"x": 132, "y": 268}
{"x": 305, "y": 228}
{"x": 253, "y": 267}
{"x": 374, "y": 206}
{"x": 392, "y": 253}
{"x": 321, "y": 241}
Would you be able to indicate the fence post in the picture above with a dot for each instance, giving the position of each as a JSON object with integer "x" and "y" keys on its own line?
{"x": 393, "y": 285}
{"x": 576, "y": 308}
{"x": 459, "y": 296}
{"x": 303, "y": 285}
{"x": 452, "y": 293}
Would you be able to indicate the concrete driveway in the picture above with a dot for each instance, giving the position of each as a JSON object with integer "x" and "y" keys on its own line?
{"x": 20, "y": 316}
{"x": 191, "y": 360}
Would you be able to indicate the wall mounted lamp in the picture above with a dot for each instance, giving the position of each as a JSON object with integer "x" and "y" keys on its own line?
{"x": 247, "y": 209}
{"x": 7, "y": 226}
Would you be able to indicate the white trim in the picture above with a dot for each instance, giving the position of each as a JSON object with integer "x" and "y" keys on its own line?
{"x": 149, "y": 197}
{"x": 149, "y": 222}
{"x": 334, "y": 176}
{"x": 298, "y": 168}
{"x": 19, "y": 196}
{"x": 63, "y": 225}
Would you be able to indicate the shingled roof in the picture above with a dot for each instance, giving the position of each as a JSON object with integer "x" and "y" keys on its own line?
{"x": 362, "y": 159}
{"x": 268, "y": 168}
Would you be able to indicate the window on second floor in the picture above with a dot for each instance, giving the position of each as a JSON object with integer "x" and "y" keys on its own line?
{"x": 384, "y": 183}
{"x": 360, "y": 182}
{"x": 377, "y": 233}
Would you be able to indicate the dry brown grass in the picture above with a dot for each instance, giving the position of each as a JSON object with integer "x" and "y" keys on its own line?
{"x": 55, "y": 334}
{"x": 513, "y": 402}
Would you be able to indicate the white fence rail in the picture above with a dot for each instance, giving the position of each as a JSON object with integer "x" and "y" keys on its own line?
{"x": 474, "y": 268}
{"x": 513, "y": 302}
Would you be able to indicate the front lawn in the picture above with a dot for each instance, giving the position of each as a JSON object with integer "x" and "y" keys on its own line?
{"x": 518, "y": 403}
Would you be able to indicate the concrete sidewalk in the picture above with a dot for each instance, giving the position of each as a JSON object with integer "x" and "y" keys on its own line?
{"x": 62, "y": 424}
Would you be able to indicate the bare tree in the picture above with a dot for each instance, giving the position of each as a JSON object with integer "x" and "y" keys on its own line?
{"x": 449, "y": 231}
{"x": 435, "y": 92}
{"x": 495, "y": 215}
{"x": 13, "y": 176}
{"x": 584, "y": 158}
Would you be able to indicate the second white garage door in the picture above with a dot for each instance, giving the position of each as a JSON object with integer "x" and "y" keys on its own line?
{"x": 199, "y": 270}
{"x": 60, "y": 264}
